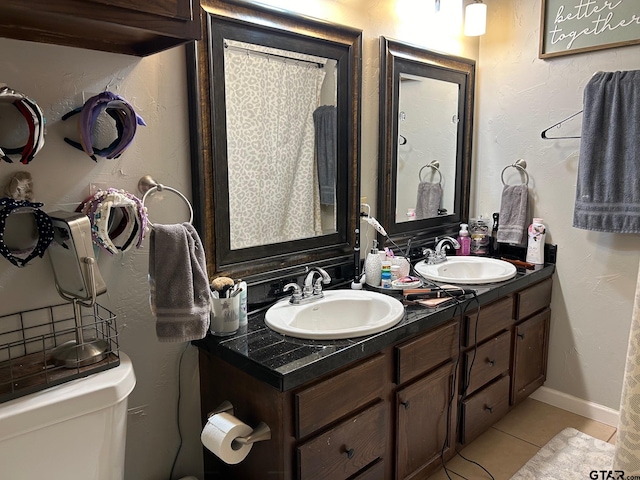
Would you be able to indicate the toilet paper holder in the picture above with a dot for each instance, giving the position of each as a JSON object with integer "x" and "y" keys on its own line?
{"x": 259, "y": 433}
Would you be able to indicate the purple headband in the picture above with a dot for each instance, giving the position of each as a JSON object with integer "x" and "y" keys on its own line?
{"x": 126, "y": 118}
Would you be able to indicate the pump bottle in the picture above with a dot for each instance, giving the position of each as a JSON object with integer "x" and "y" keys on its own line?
{"x": 373, "y": 266}
{"x": 464, "y": 240}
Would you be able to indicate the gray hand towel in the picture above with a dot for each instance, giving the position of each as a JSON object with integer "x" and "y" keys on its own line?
{"x": 179, "y": 292}
{"x": 513, "y": 214}
{"x": 325, "y": 121}
{"x": 428, "y": 200}
{"x": 608, "y": 190}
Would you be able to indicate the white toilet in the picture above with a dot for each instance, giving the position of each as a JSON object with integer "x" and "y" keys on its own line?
{"x": 74, "y": 431}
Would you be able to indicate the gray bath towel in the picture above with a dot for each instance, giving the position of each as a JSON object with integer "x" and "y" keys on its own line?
{"x": 514, "y": 214}
{"x": 608, "y": 188}
{"x": 326, "y": 131}
{"x": 428, "y": 200}
{"x": 179, "y": 292}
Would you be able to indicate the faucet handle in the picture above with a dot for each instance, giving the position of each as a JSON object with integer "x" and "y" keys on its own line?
{"x": 428, "y": 252}
{"x": 297, "y": 292}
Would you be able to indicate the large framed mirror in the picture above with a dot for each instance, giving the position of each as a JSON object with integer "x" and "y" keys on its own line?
{"x": 426, "y": 125}
{"x": 275, "y": 137}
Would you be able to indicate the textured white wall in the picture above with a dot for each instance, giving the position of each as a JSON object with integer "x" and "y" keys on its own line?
{"x": 56, "y": 77}
{"x": 518, "y": 96}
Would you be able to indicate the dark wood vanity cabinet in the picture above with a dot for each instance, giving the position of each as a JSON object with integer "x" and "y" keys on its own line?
{"x": 391, "y": 415}
{"x": 134, "y": 27}
{"x": 531, "y": 340}
{"x": 486, "y": 361}
{"x": 425, "y": 401}
{"x": 504, "y": 356}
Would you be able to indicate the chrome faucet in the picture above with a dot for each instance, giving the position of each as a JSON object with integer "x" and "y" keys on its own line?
{"x": 312, "y": 290}
{"x": 439, "y": 255}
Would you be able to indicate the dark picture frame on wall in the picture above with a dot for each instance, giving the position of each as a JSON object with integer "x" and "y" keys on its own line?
{"x": 577, "y": 26}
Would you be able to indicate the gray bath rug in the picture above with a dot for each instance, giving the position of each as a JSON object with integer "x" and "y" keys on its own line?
{"x": 569, "y": 455}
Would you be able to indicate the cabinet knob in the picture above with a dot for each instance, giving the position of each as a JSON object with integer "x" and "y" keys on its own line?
{"x": 521, "y": 336}
{"x": 405, "y": 405}
{"x": 491, "y": 362}
{"x": 350, "y": 452}
{"x": 487, "y": 407}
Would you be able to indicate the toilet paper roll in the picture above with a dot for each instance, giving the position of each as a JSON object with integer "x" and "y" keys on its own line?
{"x": 218, "y": 436}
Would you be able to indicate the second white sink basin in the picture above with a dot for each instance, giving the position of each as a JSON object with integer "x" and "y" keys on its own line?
{"x": 467, "y": 270}
{"x": 340, "y": 314}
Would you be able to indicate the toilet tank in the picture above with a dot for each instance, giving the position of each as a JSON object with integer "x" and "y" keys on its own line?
{"x": 73, "y": 431}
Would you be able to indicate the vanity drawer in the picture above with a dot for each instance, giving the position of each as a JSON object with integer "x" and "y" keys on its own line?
{"x": 427, "y": 351}
{"x": 335, "y": 397}
{"x": 483, "y": 409}
{"x": 491, "y": 359}
{"x": 345, "y": 449}
{"x": 534, "y": 298}
{"x": 495, "y": 317}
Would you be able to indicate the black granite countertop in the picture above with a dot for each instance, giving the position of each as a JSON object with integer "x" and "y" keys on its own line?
{"x": 285, "y": 362}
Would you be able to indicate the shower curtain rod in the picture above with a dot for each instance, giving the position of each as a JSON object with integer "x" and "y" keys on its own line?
{"x": 266, "y": 54}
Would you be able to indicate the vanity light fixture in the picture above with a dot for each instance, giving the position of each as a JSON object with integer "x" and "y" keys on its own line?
{"x": 475, "y": 19}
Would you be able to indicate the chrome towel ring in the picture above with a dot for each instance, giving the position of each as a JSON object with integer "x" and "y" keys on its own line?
{"x": 520, "y": 165}
{"x": 148, "y": 185}
{"x": 435, "y": 166}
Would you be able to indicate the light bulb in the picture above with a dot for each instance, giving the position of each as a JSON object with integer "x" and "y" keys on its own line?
{"x": 475, "y": 19}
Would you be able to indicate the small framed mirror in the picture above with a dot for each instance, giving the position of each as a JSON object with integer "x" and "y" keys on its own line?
{"x": 426, "y": 125}
{"x": 276, "y": 143}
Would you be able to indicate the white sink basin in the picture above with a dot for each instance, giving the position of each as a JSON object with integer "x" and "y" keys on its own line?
{"x": 340, "y": 314}
{"x": 468, "y": 270}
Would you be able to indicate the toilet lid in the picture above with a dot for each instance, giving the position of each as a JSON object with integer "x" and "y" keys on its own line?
{"x": 66, "y": 401}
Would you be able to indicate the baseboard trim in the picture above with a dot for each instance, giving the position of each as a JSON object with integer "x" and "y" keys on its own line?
{"x": 576, "y": 405}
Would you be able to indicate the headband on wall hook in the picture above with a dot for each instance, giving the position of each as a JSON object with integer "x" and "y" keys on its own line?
{"x": 118, "y": 219}
{"x": 44, "y": 226}
{"x": 127, "y": 121}
{"x": 35, "y": 121}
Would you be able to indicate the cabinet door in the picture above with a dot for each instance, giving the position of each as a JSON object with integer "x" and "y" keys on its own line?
{"x": 530, "y": 355}
{"x": 425, "y": 422}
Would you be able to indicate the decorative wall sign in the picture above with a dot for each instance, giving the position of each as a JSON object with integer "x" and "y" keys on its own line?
{"x": 576, "y": 26}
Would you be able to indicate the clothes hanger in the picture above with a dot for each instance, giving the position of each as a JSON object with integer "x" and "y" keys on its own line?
{"x": 558, "y": 125}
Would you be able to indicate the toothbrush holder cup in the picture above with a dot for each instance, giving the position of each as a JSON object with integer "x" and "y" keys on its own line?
{"x": 225, "y": 316}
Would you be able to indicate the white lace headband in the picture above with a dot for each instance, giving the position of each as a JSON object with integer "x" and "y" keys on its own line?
{"x": 118, "y": 220}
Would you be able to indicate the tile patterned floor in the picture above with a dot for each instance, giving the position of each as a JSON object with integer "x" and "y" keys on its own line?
{"x": 511, "y": 442}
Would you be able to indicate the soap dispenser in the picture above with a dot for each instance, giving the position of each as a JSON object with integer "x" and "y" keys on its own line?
{"x": 373, "y": 266}
{"x": 464, "y": 240}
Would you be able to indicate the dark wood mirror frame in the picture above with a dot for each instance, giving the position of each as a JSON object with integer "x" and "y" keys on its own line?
{"x": 396, "y": 58}
{"x": 272, "y": 27}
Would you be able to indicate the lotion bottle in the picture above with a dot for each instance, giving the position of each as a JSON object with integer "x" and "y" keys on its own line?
{"x": 373, "y": 266}
{"x": 464, "y": 240}
{"x": 535, "y": 248}
{"x": 242, "y": 318}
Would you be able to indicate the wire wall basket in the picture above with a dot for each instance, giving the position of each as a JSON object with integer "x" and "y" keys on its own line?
{"x": 29, "y": 341}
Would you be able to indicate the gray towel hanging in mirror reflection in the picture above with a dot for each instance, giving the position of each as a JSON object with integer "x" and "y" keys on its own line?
{"x": 325, "y": 122}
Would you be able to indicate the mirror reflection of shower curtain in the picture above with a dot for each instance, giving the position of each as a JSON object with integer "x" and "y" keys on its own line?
{"x": 273, "y": 186}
